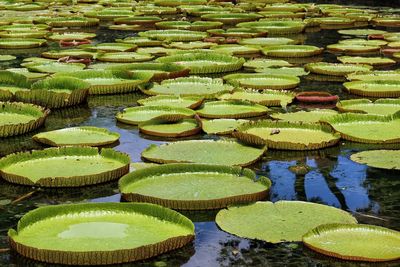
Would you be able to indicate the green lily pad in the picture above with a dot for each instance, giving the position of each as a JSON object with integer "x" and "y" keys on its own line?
{"x": 182, "y": 128}
{"x": 359, "y": 242}
{"x": 275, "y": 27}
{"x": 54, "y": 67}
{"x": 29, "y": 75}
{"x": 374, "y": 88}
{"x": 261, "y": 81}
{"x": 266, "y": 41}
{"x": 238, "y": 32}
{"x": 372, "y": 129}
{"x": 374, "y": 61}
{"x": 205, "y": 62}
{"x": 291, "y": 51}
{"x": 312, "y": 116}
{"x": 140, "y": 41}
{"x": 266, "y": 97}
{"x": 299, "y": 71}
{"x": 353, "y": 48}
{"x": 104, "y": 82}
{"x": 81, "y": 136}
{"x": 57, "y": 92}
{"x": 374, "y": 75}
{"x": 221, "y": 126}
{"x": 194, "y": 186}
{"x": 231, "y": 109}
{"x": 138, "y": 20}
{"x": 19, "y": 118}
{"x": 6, "y": 58}
{"x": 191, "y": 102}
{"x": 191, "y": 45}
{"x": 57, "y": 54}
{"x": 382, "y": 159}
{"x": 363, "y": 42}
{"x": 234, "y": 49}
{"x": 187, "y": 25}
{"x": 71, "y": 36}
{"x": 287, "y": 135}
{"x": 64, "y": 166}
{"x": 231, "y": 18}
{"x": 10, "y": 83}
{"x": 21, "y": 43}
{"x": 72, "y": 22}
{"x": 265, "y": 63}
{"x": 124, "y": 57}
{"x": 174, "y": 35}
{"x": 204, "y": 151}
{"x": 336, "y": 69}
{"x": 378, "y": 107}
{"x": 282, "y": 221}
{"x": 191, "y": 86}
{"x": 109, "y": 47}
{"x": 76, "y": 234}
{"x": 137, "y": 115}
{"x": 361, "y": 32}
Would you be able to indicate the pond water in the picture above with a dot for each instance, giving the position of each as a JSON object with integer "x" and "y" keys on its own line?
{"x": 372, "y": 195}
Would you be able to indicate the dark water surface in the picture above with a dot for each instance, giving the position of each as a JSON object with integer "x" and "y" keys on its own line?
{"x": 372, "y": 195}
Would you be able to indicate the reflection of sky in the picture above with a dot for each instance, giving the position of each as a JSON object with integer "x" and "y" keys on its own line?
{"x": 282, "y": 179}
{"x": 316, "y": 188}
{"x": 350, "y": 179}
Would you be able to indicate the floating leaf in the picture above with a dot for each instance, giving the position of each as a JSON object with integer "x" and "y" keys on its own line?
{"x": 231, "y": 109}
{"x": 379, "y": 107}
{"x": 382, "y": 159}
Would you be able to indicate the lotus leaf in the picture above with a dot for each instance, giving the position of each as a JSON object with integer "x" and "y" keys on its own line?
{"x": 312, "y": 116}
{"x": 362, "y": 128}
{"x": 10, "y": 83}
{"x": 363, "y": 42}
{"x": 235, "y": 49}
{"x": 281, "y": 221}
{"x": 7, "y": 58}
{"x": 299, "y": 71}
{"x": 19, "y": 118}
{"x": 238, "y": 32}
{"x": 64, "y": 166}
{"x": 374, "y": 88}
{"x": 20, "y": 43}
{"x": 382, "y": 159}
{"x": 266, "y": 97}
{"x": 361, "y": 32}
{"x": 109, "y": 47}
{"x": 76, "y": 234}
{"x": 378, "y": 107}
{"x": 353, "y": 48}
{"x": 205, "y": 62}
{"x": 231, "y": 109}
{"x": 265, "y": 63}
{"x": 374, "y": 61}
{"x": 261, "y": 81}
{"x": 81, "y": 136}
{"x": 191, "y": 86}
{"x": 275, "y": 27}
{"x": 174, "y": 35}
{"x": 221, "y": 126}
{"x": 358, "y": 242}
{"x": 336, "y": 69}
{"x": 287, "y": 135}
{"x": 204, "y": 151}
{"x": 186, "y": 25}
{"x": 374, "y": 75}
{"x": 190, "y": 45}
{"x": 78, "y": 53}
{"x": 137, "y": 115}
{"x": 124, "y": 57}
{"x": 194, "y": 186}
{"x": 140, "y": 41}
{"x": 191, "y": 102}
{"x": 54, "y": 67}
{"x": 182, "y": 128}
{"x": 232, "y": 18}
{"x": 29, "y": 75}
{"x": 71, "y": 36}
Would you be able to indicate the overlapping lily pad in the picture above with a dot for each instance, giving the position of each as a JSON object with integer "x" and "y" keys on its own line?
{"x": 374, "y": 88}
{"x": 137, "y": 115}
{"x": 79, "y": 234}
{"x": 21, "y": 43}
{"x": 261, "y": 81}
{"x": 311, "y": 116}
{"x": 231, "y": 109}
{"x": 378, "y": 107}
{"x": 19, "y": 118}
{"x": 292, "y": 51}
{"x": 174, "y": 35}
{"x": 357, "y": 242}
{"x": 367, "y": 128}
{"x": 265, "y": 97}
{"x": 194, "y": 186}
{"x": 10, "y": 83}
{"x": 287, "y": 135}
{"x": 77, "y": 136}
{"x": 221, "y": 126}
{"x": 336, "y": 69}
{"x": 182, "y": 128}
{"x": 281, "y": 221}
{"x": 204, "y": 151}
{"x": 64, "y": 166}
{"x": 382, "y": 159}
{"x": 191, "y": 102}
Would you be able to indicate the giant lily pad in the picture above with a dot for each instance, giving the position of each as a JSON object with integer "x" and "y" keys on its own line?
{"x": 374, "y": 88}
{"x": 21, "y": 43}
{"x": 80, "y": 234}
{"x": 10, "y": 83}
{"x": 191, "y": 102}
{"x": 275, "y": 27}
{"x": 19, "y": 118}
{"x": 194, "y": 186}
{"x": 231, "y": 109}
{"x": 110, "y": 82}
{"x": 182, "y": 128}
{"x": 71, "y": 36}
{"x": 361, "y": 32}
{"x": 54, "y": 67}
{"x": 204, "y": 151}
{"x": 221, "y": 126}
{"x": 205, "y": 62}
{"x": 336, "y": 69}
{"x": 136, "y": 115}
{"x": 238, "y": 32}
{"x": 187, "y": 25}
{"x": 367, "y": 128}
{"x": 266, "y": 97}
{"x": 265, "y": 63}
{"x": 266, "y": 41}
{"x": 291, "y": 51}
{"x": 125, "y": 57}
{"x": 358, "y": 242}
{"x": 191, "y": 86}
{"x": 374, "y": 61}
{"x": 311, "y": 116}
{"x": 382, "y": 159}
{"x": 261, "y": 81}
{"x": 280, "y": 221}
{"x": 64, "y": 166}
{"x": 81, "y": 136}
{"x": 231, "y": 18}
{"x": 55, "y": 92}
{"x": 379, "y": 107}
{"x": 174, "y": 35}
{"x": 287, "y": 135}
